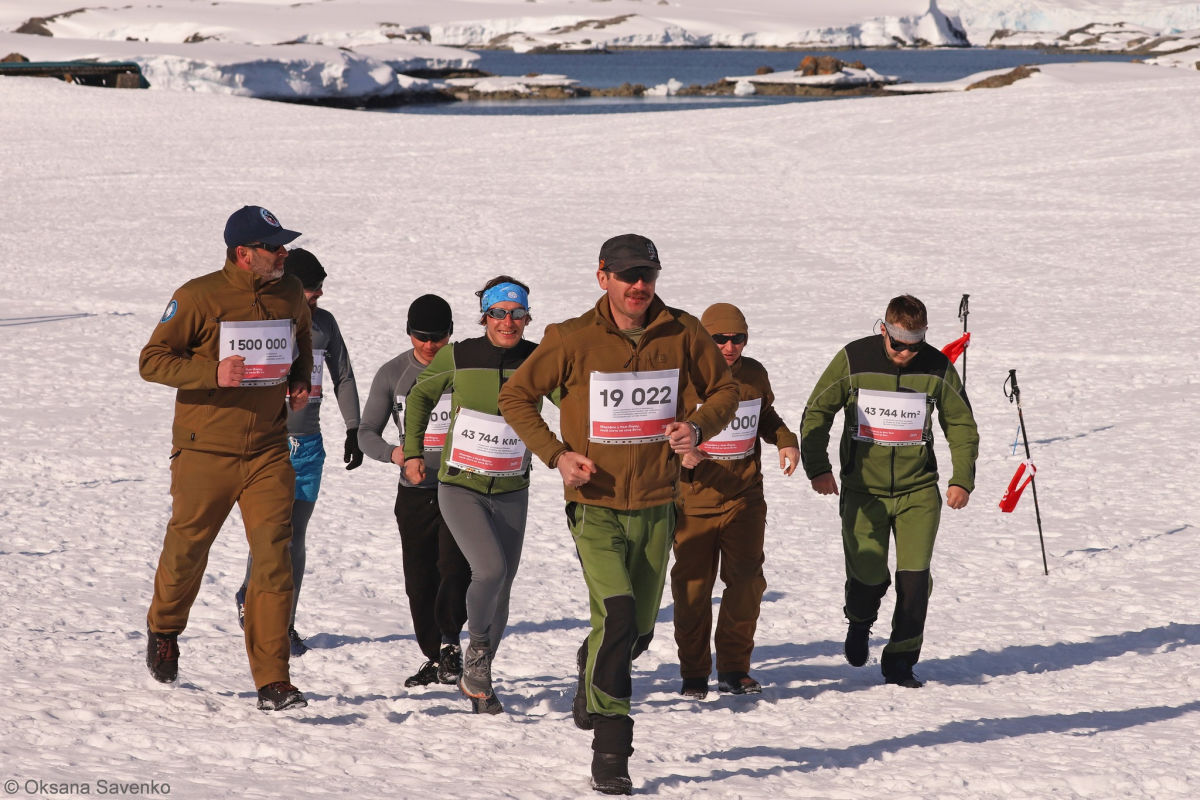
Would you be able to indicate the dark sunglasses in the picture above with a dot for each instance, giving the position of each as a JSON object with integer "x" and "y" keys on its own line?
{"x": 635, "y": 274}
{"x": 270, "y": 248}
{"x": 905, "y": 347}
{"x": 736, "y": 338}
{"x": 501, "y": 313}
{"x": 424, "y": 336}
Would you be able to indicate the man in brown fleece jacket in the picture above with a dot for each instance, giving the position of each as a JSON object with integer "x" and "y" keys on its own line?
{"x": 723, "y": 522}
{"x": 237, "y": 345}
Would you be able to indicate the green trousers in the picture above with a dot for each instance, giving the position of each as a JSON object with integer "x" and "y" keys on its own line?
{"x": 868, "y": 523}
{"x": 624, "y": 555}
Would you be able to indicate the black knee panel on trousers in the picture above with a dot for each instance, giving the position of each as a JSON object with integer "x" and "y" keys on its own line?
{"x": 612, "y": 734}
{"x": 642, "y": 644}
{"x": 912, "y": 604}
{"x": 610, "y": 673}
{"x": 862, "y": 600}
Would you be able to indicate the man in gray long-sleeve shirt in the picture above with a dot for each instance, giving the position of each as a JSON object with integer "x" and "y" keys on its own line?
{"x": 436, "y": 574}
{"x": 304, "y": 426}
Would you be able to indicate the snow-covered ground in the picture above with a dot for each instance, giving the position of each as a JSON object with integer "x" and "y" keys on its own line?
{"x": 1064, "y": 205}
{"x": 358, "y": 49}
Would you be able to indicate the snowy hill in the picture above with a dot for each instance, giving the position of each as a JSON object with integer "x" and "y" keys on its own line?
{"x": 362, "y": 48}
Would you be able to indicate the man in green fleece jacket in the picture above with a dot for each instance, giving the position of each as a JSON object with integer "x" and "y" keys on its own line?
{"x": 888, "y": 386}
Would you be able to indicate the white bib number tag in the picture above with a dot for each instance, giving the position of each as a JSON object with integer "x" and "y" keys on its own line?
{"x": 891, "y": 418}
{"x": 484, "y": 443}
{"x": 265, "y": 344}
{"x": 439, "y": 424}
{"x": 629, "y": 407}
{"x": 314, "y": 394}
{"x": 738, "y": 438}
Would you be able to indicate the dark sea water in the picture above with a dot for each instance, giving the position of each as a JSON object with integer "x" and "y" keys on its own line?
{"x": 705, "y": 66}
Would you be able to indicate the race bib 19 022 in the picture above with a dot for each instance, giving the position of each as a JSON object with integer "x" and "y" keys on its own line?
{"x": 627, "y": 407}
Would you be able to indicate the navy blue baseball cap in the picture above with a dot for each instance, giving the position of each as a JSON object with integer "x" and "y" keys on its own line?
{"x": 255, "y": 224}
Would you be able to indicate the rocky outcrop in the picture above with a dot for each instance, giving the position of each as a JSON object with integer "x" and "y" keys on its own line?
{"x": 1007, "y": 79}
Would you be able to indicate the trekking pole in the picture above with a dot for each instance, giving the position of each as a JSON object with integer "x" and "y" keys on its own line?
{"x": 1013, "y": 393}
{"x": 963, "y": 311}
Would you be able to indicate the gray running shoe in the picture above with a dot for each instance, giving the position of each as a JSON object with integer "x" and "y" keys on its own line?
{"x": 486, "y": 705}
{"x": 476, "y": 680}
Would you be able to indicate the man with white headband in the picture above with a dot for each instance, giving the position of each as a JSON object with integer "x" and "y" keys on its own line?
{"x": 888, "y": 386}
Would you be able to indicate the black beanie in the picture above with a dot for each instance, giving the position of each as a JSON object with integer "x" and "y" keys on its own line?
{"x": 304, "y": 265}
{"x": 430, "y": 314}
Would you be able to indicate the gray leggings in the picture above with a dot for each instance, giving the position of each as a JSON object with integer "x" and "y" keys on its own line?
{"x": 490, "y": 530}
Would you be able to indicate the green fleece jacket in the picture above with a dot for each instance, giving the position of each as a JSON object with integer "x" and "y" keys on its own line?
{"x": 473, "y": 371}
{"x": 882, "y": 469}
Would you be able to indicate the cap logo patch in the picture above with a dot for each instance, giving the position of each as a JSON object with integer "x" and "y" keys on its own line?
{"x": 169, "y": 311}
{"x": 269, "y": 218}
{"x": 651, "y": 252}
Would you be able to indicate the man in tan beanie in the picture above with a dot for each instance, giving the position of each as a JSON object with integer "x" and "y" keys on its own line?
{"x": 723, "y": 522}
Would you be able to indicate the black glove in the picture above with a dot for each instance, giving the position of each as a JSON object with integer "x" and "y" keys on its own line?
{"x": 354, "y": 453}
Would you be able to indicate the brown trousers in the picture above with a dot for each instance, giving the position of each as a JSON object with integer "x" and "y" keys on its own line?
{"x": 731, "y": 539}
{"x": 204, "y": 488}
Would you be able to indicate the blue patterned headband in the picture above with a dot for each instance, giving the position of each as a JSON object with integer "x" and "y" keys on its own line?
{"x": 502, "y": 292}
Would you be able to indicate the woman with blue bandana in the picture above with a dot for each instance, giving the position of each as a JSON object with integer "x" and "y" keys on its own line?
{"x": 483, "y": 482}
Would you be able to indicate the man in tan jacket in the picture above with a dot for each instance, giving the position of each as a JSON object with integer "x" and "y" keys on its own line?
{"x": 724, "y": 520}
{"x": 226, "y": 342}
{"x": 620, "y": 372}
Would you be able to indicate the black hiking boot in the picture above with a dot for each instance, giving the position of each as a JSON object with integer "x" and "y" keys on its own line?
{"x": 858, "y": 635}
{"x": 737, "y": 683}
{"x": 695, "y": 688}
{"x": 280, "y": 695}
{"x": 905, "y": 679}
{"x": 579, "y": 712}
{"x": 449, "y": 664}
{"x": 162, "y": 655}
{"x": 296, "y": 644}
{"x": 610, "y": 774}
{"x": 427, "y": 674}
{"x": 239, "y": 600}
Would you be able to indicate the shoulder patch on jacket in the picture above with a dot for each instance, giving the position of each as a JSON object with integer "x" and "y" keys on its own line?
{"x": 169, "y": 311}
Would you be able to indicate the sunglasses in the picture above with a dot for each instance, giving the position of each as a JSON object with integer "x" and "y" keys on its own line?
{"x": 635, "y": 274}
{"x": 423, "y": 336}
{"x": 501, "y": 313}
{"x": 270, "y": 248}
{"x": 736, "y": 338}
{"x": 905, "y": 347}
